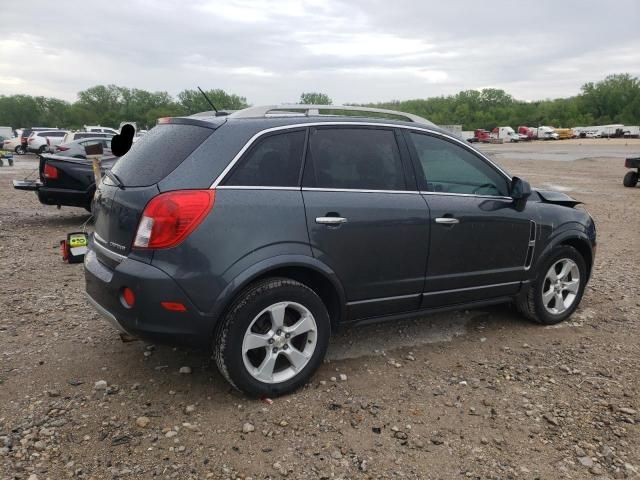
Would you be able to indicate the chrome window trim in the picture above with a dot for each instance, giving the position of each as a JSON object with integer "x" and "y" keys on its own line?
{"x": 357, "y": 190}
{"x": 420, "y": 128}
{"x": 450, "y": 194}
{"x": 255, "y": 187}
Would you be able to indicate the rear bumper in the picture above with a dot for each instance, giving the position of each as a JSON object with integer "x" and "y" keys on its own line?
{"x": 65, "y": 196}
{"x": 147, "y": 319}
{"x": 28, "y": 185}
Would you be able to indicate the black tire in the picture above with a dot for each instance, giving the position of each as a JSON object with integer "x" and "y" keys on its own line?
{"x": 630, "y": 179}
{"x": 531, "y": 305}
{"x": 230, "y": 334}
{"x": 20, "y": 150}
{"x": 42, "y": 149}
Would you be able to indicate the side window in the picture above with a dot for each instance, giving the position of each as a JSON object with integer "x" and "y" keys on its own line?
{"x": 450, "y": 168}
{"x": 274, "y": 161}
{"x": 355, "y": 158}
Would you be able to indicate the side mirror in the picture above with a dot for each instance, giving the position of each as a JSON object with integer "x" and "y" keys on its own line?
{"x": 520, "y": 192}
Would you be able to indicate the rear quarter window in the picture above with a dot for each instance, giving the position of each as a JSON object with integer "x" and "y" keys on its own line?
{"x": 158, "y": 153}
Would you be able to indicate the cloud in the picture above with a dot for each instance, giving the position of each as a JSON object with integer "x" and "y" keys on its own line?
{"x": 354, "y": 50}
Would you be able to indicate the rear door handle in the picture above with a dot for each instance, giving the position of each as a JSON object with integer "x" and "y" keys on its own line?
{"x": 331, "y": 220}
{"x": 447, "y": 220}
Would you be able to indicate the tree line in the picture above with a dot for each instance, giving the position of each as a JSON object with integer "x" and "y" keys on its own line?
{"x": 615, "y": 99}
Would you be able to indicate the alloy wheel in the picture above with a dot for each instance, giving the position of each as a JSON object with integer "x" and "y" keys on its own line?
{"x": 561, "y": 286}
{"x": 279, "y": 342}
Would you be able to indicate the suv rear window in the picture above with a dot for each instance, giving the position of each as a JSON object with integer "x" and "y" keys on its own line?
{"x": 158, "y": 153}
{"x": 275, "y": 161}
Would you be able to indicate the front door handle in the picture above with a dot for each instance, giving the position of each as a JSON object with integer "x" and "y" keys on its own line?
{"x": 447, "y": 220}
{"x": 331, "y": 220}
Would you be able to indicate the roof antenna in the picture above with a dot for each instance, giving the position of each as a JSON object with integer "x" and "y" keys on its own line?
{"x": 207, "y": 99}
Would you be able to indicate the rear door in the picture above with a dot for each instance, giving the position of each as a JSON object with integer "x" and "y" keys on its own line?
{"x": 366, "y": 220}
{"x": 479, "y": 242}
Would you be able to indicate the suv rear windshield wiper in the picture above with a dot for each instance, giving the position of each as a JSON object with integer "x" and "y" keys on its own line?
{"x": 114, "y": 178}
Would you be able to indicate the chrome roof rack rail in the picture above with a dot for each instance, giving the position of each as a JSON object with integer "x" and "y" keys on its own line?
{"x": 294, "y": 109}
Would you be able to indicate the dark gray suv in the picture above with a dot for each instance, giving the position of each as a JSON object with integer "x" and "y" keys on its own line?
{"x": 258, "y": 233}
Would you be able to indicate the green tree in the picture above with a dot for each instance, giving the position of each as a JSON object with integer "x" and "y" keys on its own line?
{"x": 192, "y": 101}
{"x": 315, "y": 98}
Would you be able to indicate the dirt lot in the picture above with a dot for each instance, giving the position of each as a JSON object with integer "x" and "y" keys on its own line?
{"x": 478, "y": 394}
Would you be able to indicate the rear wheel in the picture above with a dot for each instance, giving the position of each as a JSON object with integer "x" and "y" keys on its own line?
{"x": 273, "y": 338}
{"x": 20, "y": 150}
{"x": 630, "y": 179}
{"x": 42, "y": 149}
{"x": 557, "y": 291}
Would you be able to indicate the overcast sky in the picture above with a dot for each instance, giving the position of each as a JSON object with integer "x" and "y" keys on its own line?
{"x": 353, "y": 50}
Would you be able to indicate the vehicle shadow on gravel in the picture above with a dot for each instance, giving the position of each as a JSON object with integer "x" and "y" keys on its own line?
{"x": 192, "y": 375}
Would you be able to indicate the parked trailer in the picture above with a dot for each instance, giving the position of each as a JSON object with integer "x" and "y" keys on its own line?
{"x": 600, "y": 131}
{"x": 631, "y": 131}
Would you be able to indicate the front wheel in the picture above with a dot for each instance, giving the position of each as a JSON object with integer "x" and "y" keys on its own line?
{"x": 630, "y": 179}
{"x": 274, "y": 336}
{"x": 557, "y": 291}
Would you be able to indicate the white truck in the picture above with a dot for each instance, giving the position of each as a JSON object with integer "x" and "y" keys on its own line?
{"x": 631, "y": 131}
{"x": 545, "y": 133}
{"x": 507, "y": 134}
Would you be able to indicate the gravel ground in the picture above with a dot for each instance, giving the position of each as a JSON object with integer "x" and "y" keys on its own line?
{"x": 476, "y": 394}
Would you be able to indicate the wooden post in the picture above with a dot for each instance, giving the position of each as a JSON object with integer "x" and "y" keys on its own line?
{"x": 94, "y": 153}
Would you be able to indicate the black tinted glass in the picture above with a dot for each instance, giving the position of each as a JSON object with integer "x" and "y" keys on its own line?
{"x": 356, "y": 158}
{"x": 451, "y": 168}
{"x": 274, "y": 161}
{"x": 158, "y": 153}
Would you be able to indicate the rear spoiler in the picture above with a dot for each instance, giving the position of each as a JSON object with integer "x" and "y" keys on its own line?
{"x": 212, "y": 122}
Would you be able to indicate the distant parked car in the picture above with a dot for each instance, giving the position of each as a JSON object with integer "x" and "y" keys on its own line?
{"x": 76, "y": 149}
{"x": 100, "y": 129}
{"x": 73, "y": 136}
{"x": 12, "y": 144}
{"x": 26, "y": 132}
{"x": 37, "y": 141}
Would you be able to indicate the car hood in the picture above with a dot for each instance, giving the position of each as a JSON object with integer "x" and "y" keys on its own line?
{"x": 559, "y": 198}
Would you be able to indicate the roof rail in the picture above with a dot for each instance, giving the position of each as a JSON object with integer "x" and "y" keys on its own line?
{"x": 294, "y": 109}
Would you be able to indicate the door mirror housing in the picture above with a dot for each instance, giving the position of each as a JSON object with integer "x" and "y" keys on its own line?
{"x": 520, "y": 192}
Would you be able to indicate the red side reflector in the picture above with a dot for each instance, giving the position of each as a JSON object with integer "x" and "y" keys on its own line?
{"x": 173, "y": 306}
{"x": 50, "y": 172}
{"x": 128, "y": 297}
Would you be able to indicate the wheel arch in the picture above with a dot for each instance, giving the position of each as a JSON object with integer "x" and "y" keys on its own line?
{"x": 306, "y": 270}
{"x": 573, "y": 238}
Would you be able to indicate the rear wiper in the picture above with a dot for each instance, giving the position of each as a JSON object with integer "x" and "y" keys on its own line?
{"x": 114, "y": 178}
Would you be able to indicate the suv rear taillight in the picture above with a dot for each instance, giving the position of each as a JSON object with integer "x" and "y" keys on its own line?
{"x": 170, "y": 217}
{"x": 50, "y": 172}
